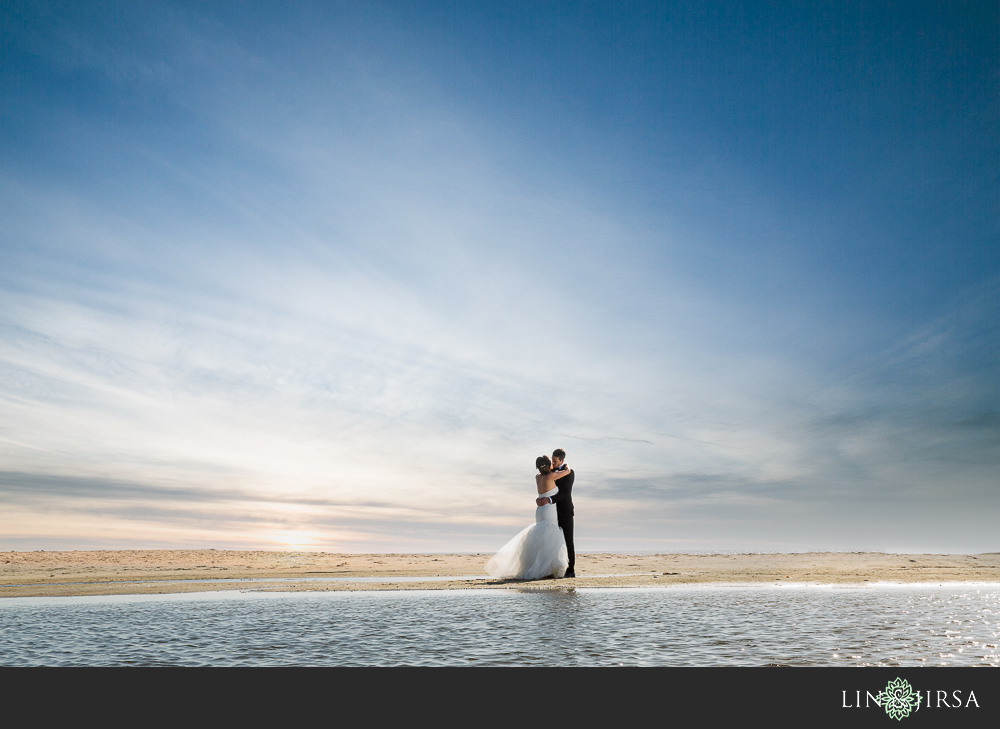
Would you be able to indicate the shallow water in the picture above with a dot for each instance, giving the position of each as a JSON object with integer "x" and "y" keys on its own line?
{"x": 284, "y": 580}
{"x": 679, "y": 626}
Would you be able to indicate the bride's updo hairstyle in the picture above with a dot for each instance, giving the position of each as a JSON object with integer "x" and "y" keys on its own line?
{"x": 543, "y": 464}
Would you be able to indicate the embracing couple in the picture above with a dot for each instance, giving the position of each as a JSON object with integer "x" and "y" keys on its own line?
{"x": 544, "y": 549}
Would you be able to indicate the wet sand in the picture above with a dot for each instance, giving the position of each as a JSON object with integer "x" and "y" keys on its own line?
{"x": 129, "y": 572}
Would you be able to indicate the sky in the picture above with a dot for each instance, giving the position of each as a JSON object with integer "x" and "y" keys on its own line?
{"x": 331, "y": 276}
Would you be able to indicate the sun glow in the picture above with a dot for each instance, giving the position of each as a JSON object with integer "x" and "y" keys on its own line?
{"x": 297, "y": 541}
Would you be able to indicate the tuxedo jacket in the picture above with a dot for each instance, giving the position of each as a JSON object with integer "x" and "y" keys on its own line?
{"x": 564, "y": 499}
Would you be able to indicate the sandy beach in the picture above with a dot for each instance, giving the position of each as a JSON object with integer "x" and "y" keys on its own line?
{"x": 129, "y": 572}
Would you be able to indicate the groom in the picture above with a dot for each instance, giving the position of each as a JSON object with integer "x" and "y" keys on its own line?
{"x": 564, "y": 505}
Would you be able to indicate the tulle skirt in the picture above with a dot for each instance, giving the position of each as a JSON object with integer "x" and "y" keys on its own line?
{"x": 537, "y": 551}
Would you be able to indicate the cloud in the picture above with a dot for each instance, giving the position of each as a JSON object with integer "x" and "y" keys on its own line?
{"x": 265, "y": 291}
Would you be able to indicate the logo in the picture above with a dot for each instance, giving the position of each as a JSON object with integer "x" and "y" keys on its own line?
{"x": 899, "y": 699}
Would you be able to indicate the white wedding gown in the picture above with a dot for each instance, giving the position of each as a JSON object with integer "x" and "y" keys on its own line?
{"x": 538, "y": 551}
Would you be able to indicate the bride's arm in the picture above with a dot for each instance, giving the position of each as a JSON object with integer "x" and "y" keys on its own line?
{"x": 551, "y": 478}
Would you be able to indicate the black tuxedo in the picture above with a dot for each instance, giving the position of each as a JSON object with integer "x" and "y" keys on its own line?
{"x": 564, "y": 512}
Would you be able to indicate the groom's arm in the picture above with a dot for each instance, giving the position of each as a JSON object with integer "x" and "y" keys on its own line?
{"x": 543, "y": 500}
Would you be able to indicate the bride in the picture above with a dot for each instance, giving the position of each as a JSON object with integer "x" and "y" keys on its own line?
{"x": 540, "y": 549}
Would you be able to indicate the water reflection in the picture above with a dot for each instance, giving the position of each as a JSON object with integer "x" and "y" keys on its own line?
{"x": 519, "y": 627}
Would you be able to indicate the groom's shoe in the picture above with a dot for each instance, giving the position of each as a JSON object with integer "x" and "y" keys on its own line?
{"x": 570, "y": 573}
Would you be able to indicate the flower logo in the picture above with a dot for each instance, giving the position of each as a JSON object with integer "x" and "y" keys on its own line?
{"x": 898, "y": 699}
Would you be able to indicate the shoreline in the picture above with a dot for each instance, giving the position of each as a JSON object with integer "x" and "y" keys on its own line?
{"x": 136, "y": 572}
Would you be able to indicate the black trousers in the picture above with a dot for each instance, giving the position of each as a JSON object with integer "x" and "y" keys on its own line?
{"x": 566, "y": 524}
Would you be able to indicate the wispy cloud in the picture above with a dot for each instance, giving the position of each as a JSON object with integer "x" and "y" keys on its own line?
{"x": 320, "y": 288}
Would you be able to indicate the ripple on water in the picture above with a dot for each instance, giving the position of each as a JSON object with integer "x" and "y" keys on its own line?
{"x": 737, "y": 626}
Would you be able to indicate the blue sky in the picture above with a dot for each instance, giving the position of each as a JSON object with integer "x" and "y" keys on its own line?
{"x": 331, "y": 276}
